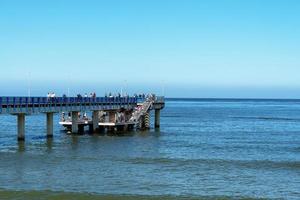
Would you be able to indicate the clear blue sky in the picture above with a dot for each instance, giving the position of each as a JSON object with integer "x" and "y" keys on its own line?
{"x": 194, "y": 48}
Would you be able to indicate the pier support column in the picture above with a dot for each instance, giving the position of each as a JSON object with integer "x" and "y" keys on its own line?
{"x": 49, "y": 125}
{"x": 130, "y": 127}
{"x": 157, "y": 118}
{"x": 21, "y": 127}
{"x": 125, "y": 128}
{"x": 81, "y": 128}
{"x": 75, "y": 122}
{"x": 112, "y": 117}
{"x": 95, "y": 121}
{"x": 120, "y": 128}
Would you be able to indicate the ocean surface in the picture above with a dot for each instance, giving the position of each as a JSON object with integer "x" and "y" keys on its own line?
{"x": 205, "y": 149}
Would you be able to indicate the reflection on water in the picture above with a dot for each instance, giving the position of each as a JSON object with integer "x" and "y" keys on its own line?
{"x": 21, "y": 146}
{"x": 221, "y": 149}
{"x": 49, "y": 144}
{"x": 74, "y": 141}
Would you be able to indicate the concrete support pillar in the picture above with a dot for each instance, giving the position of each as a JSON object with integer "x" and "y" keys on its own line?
{"x": 110, "y": 129}
{"x": 112, "y": 117}
{"x": 120, "y": 128}
{"x": 95, "y": 121}
{"x": 157, "y": 118}
{"x": 130, "y": 127}
{"x": 102, "y": 129}
{"x": 49, "y": 125}
{"x": 81, "y": 129}
{"x": 125, "y": 128}
{"x": 21, "y": 127}
{"x": 74, "y": 122}
{"x": 91, "y": 128}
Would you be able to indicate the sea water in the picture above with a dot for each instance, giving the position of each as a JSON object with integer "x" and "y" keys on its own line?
{"x": 205, "y": 149}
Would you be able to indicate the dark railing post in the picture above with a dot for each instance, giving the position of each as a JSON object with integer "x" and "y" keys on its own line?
{"x": 14, "y": 104}
{"x": 26, "y": 103}
{"x": 32, "y": 103}
{"x": 38, "y": 102}
{"x": 0, "y": 104}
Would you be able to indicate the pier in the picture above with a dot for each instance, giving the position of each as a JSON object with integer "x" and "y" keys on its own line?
{"x": 111, "y": 113}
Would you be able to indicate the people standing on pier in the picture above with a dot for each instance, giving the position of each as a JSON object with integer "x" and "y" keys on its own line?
{"x": 51, "y": 96}
{"x": 93, "y": 94}
{"x": 63, "y": 116}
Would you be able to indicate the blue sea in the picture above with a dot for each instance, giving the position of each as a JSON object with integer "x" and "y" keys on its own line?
{"x": 205, "y": 149}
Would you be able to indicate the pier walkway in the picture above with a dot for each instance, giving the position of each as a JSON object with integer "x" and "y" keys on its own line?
{"x": 23, "y": 106}
{"x": 30, "y": 105}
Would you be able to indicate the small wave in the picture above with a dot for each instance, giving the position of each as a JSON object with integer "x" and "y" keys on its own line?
{"x": 255, "y": 164}
{"x": 269, "y": 118}
{"x": 296, "y": 149}
{"x": 51, "y": 195}
{"x": 173, "y": 116}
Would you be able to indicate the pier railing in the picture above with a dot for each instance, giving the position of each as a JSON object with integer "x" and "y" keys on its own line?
{"x": 56, "y": 104}
{"x": 160, "y": 99}
{"x": 6, "y": 101}
{"x": 157, "y": 99}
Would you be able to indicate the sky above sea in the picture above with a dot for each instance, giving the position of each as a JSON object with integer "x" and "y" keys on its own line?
{"x": 233, "y": 49}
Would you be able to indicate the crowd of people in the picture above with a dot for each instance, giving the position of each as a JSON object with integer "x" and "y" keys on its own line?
{"x": 110, "y": 95}
{"x": 91, "y": 95}
{"x": 51, "y": 95}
